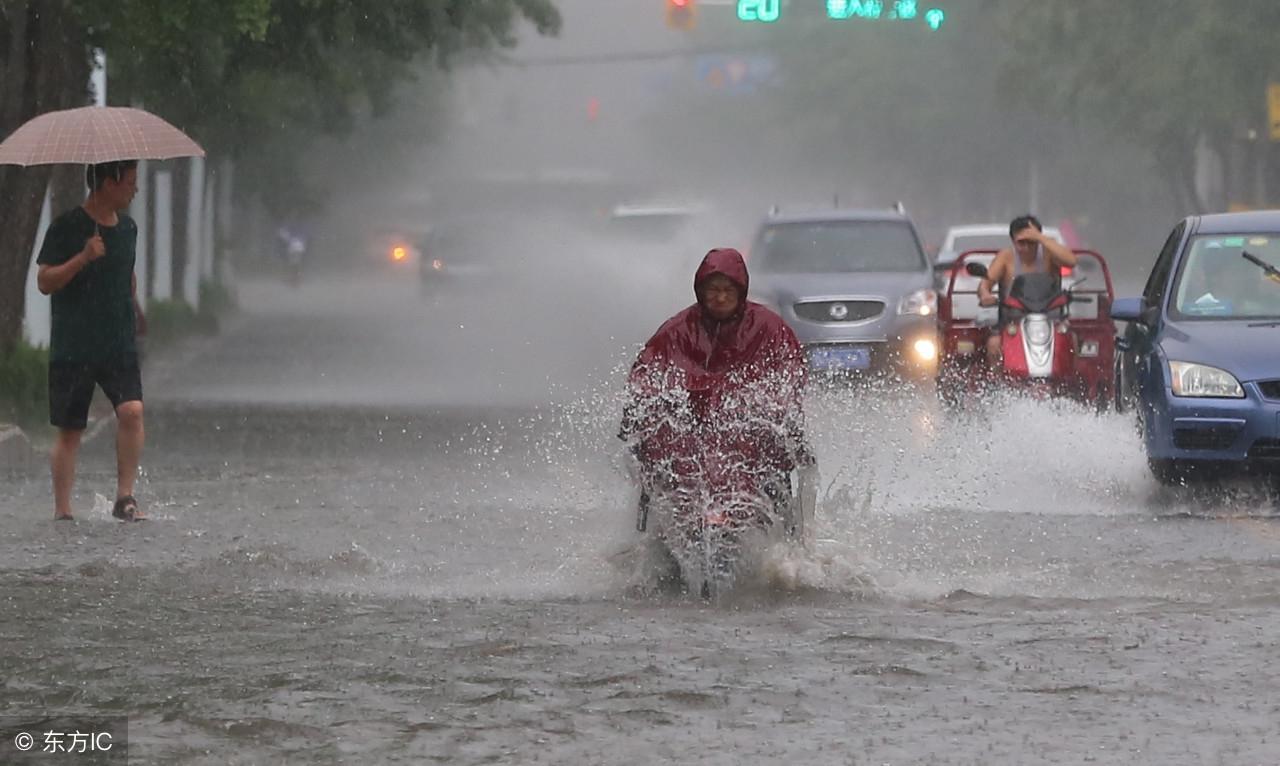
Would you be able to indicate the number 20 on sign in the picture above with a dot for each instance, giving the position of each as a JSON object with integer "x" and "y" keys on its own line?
{"x": 759, "y": 10}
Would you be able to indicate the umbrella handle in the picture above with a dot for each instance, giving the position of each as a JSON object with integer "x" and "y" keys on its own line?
{"x": 93, "y": 186}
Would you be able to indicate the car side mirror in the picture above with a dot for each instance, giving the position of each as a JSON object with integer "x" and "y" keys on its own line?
{"x": 975, "y": 270}
{"x": 1129, "y": 310}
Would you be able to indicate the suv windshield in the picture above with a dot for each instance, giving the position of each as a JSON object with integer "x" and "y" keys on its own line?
{"x": 1216, "y": 281}
{"x": 824, "y": 247}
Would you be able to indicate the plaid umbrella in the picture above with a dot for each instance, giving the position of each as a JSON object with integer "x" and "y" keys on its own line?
{"x": 91, "y": 135}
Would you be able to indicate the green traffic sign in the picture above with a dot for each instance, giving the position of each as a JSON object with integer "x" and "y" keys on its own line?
{"x": 759, "y": 10}
{"x": 888, "y": 10}
{"x": 769, "y": 11}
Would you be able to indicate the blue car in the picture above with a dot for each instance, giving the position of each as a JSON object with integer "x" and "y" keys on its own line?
{"x": 1199, "y": 360}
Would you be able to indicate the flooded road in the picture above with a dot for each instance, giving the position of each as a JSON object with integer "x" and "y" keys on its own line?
{"x": 372, "y": 544}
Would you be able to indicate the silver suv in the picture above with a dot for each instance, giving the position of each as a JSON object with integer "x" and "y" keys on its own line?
{"x": 856, "y": 287}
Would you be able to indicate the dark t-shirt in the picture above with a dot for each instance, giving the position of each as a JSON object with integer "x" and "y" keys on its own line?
{"x": 93, "y": 317}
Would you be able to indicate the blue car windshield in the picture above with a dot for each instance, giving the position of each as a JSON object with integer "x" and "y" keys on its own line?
{"x": 1216, "y": 281}
{"x": 832, "y": 247}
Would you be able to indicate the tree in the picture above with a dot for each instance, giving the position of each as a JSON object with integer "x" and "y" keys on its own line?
{"x": 877, "y": 111}
{"x": 246, "y": 78}
{"x": 1166, "y": 78}
{"x": 1080, "y": 110}
{"x": 271, "y": 73}
{"x": 36, "y": 75}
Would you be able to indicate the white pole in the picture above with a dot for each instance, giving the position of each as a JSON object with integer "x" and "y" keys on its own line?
{"x": 38, "y": 323}
{"x": 210, "y": 188}
{"x": 225, "y": 176}
{"x": 195, "y": 237}
{"x": 162, "y": 288}
{"x": 223, "y": 216}
{"x": 139, "y": 210}
{"x": 98, "y": 77}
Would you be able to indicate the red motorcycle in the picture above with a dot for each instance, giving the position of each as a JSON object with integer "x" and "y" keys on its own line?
{"x": 1056, "y": 336}
{"x": 711, "y": 491}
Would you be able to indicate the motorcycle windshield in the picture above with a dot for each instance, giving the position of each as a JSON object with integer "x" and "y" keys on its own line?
{"x": 1035, "y": 291}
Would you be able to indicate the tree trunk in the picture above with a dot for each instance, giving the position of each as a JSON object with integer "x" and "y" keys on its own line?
{"x": 13, "y": 81}
{"x": 21, "y": 197}
{"x": 46, "y": 67}
{"x": 67, "y": 187}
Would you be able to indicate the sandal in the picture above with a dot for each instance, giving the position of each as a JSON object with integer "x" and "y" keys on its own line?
{"x": 126, "y": 509}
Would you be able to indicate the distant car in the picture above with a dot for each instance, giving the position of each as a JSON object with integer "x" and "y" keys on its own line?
{"x": 452, "y": 251}
{"x": 856, "y": 287}
{"x": 651, "y": 221}
{"x": 1199, "y": 362}
{"x": 980, "y": 236}
{"x": 396, "y": 248}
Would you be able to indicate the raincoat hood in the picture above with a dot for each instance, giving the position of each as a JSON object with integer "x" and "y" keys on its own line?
{"x": 746, "y": 369}
{"x": 749, "y": 342}
{"x": 727, "y": 262}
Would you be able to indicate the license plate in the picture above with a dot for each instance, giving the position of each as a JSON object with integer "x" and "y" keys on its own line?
{"x": 840, "y": 358}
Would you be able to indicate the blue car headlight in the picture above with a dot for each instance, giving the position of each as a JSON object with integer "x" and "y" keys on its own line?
{"x": 1191, "y": 379}
{"x": 921, "y": 303}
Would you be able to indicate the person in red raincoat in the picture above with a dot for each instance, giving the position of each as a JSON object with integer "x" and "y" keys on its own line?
{"x": 717, "y": 391}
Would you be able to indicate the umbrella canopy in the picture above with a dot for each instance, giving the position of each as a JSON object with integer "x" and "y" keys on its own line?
{"x": 91, "y": 135}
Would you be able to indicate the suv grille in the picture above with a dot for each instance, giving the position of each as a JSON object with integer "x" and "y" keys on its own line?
{"x": 839, "y": 311}
{"x": 1270, "y": 388}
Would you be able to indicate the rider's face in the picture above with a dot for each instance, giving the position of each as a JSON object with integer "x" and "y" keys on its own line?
{"x": 1025, "y": 242}
{"x": 720, "y": 297}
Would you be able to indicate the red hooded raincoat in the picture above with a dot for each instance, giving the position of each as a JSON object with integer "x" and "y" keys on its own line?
{"x": 731, "y": 386}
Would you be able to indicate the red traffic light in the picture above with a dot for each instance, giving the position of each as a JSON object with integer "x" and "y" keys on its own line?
{"x": 681, "y": 14}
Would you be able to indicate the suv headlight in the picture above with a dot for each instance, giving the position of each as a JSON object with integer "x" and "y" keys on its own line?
{"x": 1190, "y": 379}
{"x": 921, "y": 303}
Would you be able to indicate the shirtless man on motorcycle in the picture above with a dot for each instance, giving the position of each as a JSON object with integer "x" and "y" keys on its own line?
{"x": 1033, "y": 251}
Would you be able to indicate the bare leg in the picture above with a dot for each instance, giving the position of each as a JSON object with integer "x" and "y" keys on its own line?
{"x": 994, "y": 351}
{"x": 62, "y": 464}
{"x": 129, "y": 440}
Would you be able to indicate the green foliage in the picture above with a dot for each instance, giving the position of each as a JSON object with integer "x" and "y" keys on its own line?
{"x": 1164, "y": 78}
{"x": 215, "y": 298}
{"x": 24, "y": 385}
{"x": 172, "y": 320}
{"x": 876, "y": 112}
{"x": 1103, "y": 103}
{"x": 257, "y": 78}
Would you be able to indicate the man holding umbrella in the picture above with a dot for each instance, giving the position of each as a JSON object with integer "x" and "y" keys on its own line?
{"x": 86, "y": 265}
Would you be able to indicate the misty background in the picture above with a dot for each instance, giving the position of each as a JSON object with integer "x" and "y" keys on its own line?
{"x": 739, "y": 117}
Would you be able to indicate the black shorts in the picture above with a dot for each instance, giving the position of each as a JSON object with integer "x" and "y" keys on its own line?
{"x": 71, "y": 388}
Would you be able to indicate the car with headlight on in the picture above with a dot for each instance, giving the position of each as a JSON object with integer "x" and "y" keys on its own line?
{"x": 1199, "y": 360}
{"x": 395, "y": 248}
{"x": 854, "y": 285}
{"x": 456, "y": 252}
